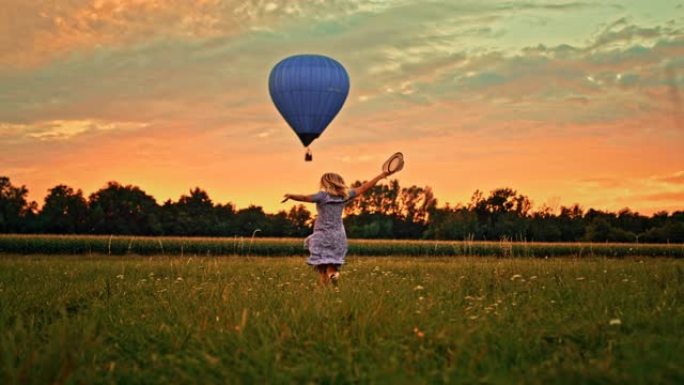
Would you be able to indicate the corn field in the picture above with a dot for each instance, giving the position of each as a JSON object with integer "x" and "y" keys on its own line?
{"x": 252, "y": 246}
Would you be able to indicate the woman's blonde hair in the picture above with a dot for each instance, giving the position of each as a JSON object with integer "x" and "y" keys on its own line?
{"x": 334, "y": 185}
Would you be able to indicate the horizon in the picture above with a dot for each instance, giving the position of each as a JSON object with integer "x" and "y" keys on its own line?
{"x": 565, "y": 102}
{"x": 552, "y": 207}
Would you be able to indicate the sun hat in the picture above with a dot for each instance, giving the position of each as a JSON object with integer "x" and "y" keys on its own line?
{"x": 394, "y": 164}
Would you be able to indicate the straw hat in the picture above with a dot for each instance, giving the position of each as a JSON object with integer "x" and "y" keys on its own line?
{"x": 394, "y": 164}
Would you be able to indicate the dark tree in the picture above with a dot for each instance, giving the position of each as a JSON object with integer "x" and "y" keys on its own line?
{"x": 385, "y": 211}
{"x": 251, "y": 219}
{"x": 65, "y": 211}
{"x": 17, "y": 214}
{"x": 381, "y": 198}
{"x": 301, "y": 221}
{"x": 543, "y": 226}
{"x": 118, "y": 209}
{"x": 192, "y": 215}
{"x": 225, "y": 214}
{"x": 389, "y": 211}
{"x": 502, "y": 214}
{"x": 571, "y": 223}
{"x": 456, "y": 223}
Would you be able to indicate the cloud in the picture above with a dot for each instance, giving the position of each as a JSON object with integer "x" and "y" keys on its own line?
{"x": 675, "y": 178}
{"x": 604, "y": 182}
{"x": 677, "y": 196}
{"x": 621, "y": 33}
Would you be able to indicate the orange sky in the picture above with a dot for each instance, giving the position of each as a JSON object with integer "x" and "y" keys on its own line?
{"x": 565, "y": 102}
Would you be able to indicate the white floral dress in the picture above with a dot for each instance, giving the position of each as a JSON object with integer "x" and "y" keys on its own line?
{"x": 328, "y": 243}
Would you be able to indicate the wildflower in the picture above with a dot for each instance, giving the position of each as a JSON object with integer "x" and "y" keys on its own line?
{"x": 120, "y": 276}
{"x": 579, "y": 279}
{"x": 421, "y": 298}
{"x": 179, "y": 279}
{"x": 615, "y": 321}
{"x": 532, "y": 278}
{"x": 516, "y": 276}
{"x": 418, "y": 288}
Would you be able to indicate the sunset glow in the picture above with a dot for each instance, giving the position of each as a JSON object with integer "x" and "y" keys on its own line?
{"x": 566, "y": 102}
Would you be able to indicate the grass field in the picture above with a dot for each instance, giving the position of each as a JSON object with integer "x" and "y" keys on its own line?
{"x": 217, "y": 320}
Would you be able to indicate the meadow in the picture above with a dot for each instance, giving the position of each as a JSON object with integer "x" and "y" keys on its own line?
{"x": 99, "y": 319}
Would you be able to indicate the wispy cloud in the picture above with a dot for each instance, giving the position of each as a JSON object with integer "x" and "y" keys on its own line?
{"x": 675, "y": 178}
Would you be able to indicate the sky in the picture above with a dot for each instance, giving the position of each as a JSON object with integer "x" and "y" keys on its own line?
{"x": 565, "y": 101}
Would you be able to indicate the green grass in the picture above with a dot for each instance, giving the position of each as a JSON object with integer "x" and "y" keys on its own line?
{"x": 125, "y": 245}
{"x": 210, "y": 320}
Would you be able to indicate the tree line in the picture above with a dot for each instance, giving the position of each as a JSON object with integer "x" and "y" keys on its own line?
{"x": 386, "y": 211}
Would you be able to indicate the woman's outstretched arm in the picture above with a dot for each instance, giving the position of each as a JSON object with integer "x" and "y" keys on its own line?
{"x": 297, "y": 197}
{"x": 369, "y": 184}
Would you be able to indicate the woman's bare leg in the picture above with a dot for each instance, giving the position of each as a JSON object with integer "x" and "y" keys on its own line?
{"x": 332, "y": 274}
{"x": 323, "y": 277}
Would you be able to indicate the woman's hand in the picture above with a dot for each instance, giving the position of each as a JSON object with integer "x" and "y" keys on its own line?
{"x": 287, "y": 197}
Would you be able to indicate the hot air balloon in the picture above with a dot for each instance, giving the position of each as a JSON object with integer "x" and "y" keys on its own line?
{"x": 308, "y": 91}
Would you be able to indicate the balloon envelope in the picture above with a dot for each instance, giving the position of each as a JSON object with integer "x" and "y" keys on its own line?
{"x": 308, "y": 91}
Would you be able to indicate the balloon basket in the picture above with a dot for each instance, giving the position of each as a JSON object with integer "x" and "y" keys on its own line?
{"x": 308, "y": 157}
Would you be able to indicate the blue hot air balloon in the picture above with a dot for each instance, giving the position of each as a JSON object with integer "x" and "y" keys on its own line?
{"x": 308, "y": 91}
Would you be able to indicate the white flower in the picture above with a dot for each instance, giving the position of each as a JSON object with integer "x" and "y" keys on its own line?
{"x": 418, "y": 288}
{"x": 615, "y": 321}
{"x": 516, "y": 276}
{"x": 120, "y": 276}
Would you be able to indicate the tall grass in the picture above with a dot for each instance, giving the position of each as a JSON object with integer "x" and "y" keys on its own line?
{"x": 199, "y": 320}
{"x": 123, "y": 245}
